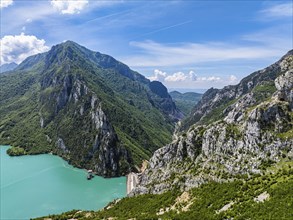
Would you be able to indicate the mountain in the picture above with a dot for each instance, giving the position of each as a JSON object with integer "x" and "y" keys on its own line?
{"x": 87, "y": 107}
{"x": 238, "y": 130}
{"x": 235, "y": 161}
{"x": 215, "y": 102}
{"x": 185, "y": 101}
{"x": 7, "y": 67}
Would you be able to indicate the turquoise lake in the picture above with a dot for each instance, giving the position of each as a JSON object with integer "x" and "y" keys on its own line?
{"x": 34, "y": 186}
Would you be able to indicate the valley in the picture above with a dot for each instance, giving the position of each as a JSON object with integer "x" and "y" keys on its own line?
{"x": 232, "y": 158}
{"x": 145, "y": 110}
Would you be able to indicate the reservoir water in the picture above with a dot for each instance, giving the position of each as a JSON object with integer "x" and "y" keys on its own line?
{"x": 34, "y": 186}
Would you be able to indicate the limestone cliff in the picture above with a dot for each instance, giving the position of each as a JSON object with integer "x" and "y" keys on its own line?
{"x": 253, "y": 130}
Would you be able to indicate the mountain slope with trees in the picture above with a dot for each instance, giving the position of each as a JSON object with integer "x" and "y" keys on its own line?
{"x": 87, "y": 107}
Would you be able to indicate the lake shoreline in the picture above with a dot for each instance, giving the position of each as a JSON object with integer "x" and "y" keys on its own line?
{"x": 52, "y": 185}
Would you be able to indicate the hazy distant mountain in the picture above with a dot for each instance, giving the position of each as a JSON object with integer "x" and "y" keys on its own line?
{"x": 185, "y": 101}
{"x": 86, "y": 107}
{"x": 7, "y": 67}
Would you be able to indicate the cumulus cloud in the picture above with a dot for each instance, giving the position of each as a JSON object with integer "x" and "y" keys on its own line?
{"x": 176, "y": 77}
{"x": 69, "y": 6}
{"x": 192, "y": 75}
{"x": 158, "y": 76}
{"x": 192, "y": 80}
{"x": 182, "y": 77}
{"x": 17, "y": 48}
{"x": 209, "y": 78}
{"x": 5, "y": 3}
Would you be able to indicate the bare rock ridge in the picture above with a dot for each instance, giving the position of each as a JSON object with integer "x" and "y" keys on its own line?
{"x": 251, "y": 130}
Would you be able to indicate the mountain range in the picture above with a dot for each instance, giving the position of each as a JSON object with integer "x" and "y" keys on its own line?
{"x": 231, "y": 158}
{"x": 87, "y": 107}
{"x": 234, "y": 131}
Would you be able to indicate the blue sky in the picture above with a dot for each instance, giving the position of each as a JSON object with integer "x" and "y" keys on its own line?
{"x": 190, "y": 45}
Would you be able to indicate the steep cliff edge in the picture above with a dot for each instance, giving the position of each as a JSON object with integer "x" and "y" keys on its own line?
{"x": 254, "y": 130}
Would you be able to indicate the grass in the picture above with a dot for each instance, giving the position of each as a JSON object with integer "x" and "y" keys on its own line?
{"x": 264, "y": 91}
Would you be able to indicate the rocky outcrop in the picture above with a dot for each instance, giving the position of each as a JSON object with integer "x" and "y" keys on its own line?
{"x": 284, "y": 84}
{"x": 251, "y": 136}
{"x": 217, "y": 98}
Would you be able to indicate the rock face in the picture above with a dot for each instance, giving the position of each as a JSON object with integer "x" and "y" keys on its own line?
{"x": 102, "y": 149}
{"x": 166, "y": 104}
{"x": 87, "y": 107}
{"x": 255, "y": 129}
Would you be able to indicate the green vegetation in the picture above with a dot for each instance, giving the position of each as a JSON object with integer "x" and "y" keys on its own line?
{"x": 286, "y": 135}
{"x": 233, "y": 131}
{"x": 185, "y": 101}
{"x": 206, "y": 201}
{"x": 16, "y": 151}
{"x": 263, "y": 91}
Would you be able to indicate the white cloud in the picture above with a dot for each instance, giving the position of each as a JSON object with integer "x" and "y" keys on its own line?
{"x": 69, "y": 6}
{"x": 265, "y": 44}
{"x": 5, "y": 3}
{"x": 155, "y": 54}
{"x": 192, "y": 75}
{"x": 181, "y": 77}
{"x": 192, "y": 80}
{"x": 176, "y": 77}
{"x": 209, "y": 78}
{"x": 17, "y": 48}
{"x": 280, "y": 10}
{"x": 158, "y": 76}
